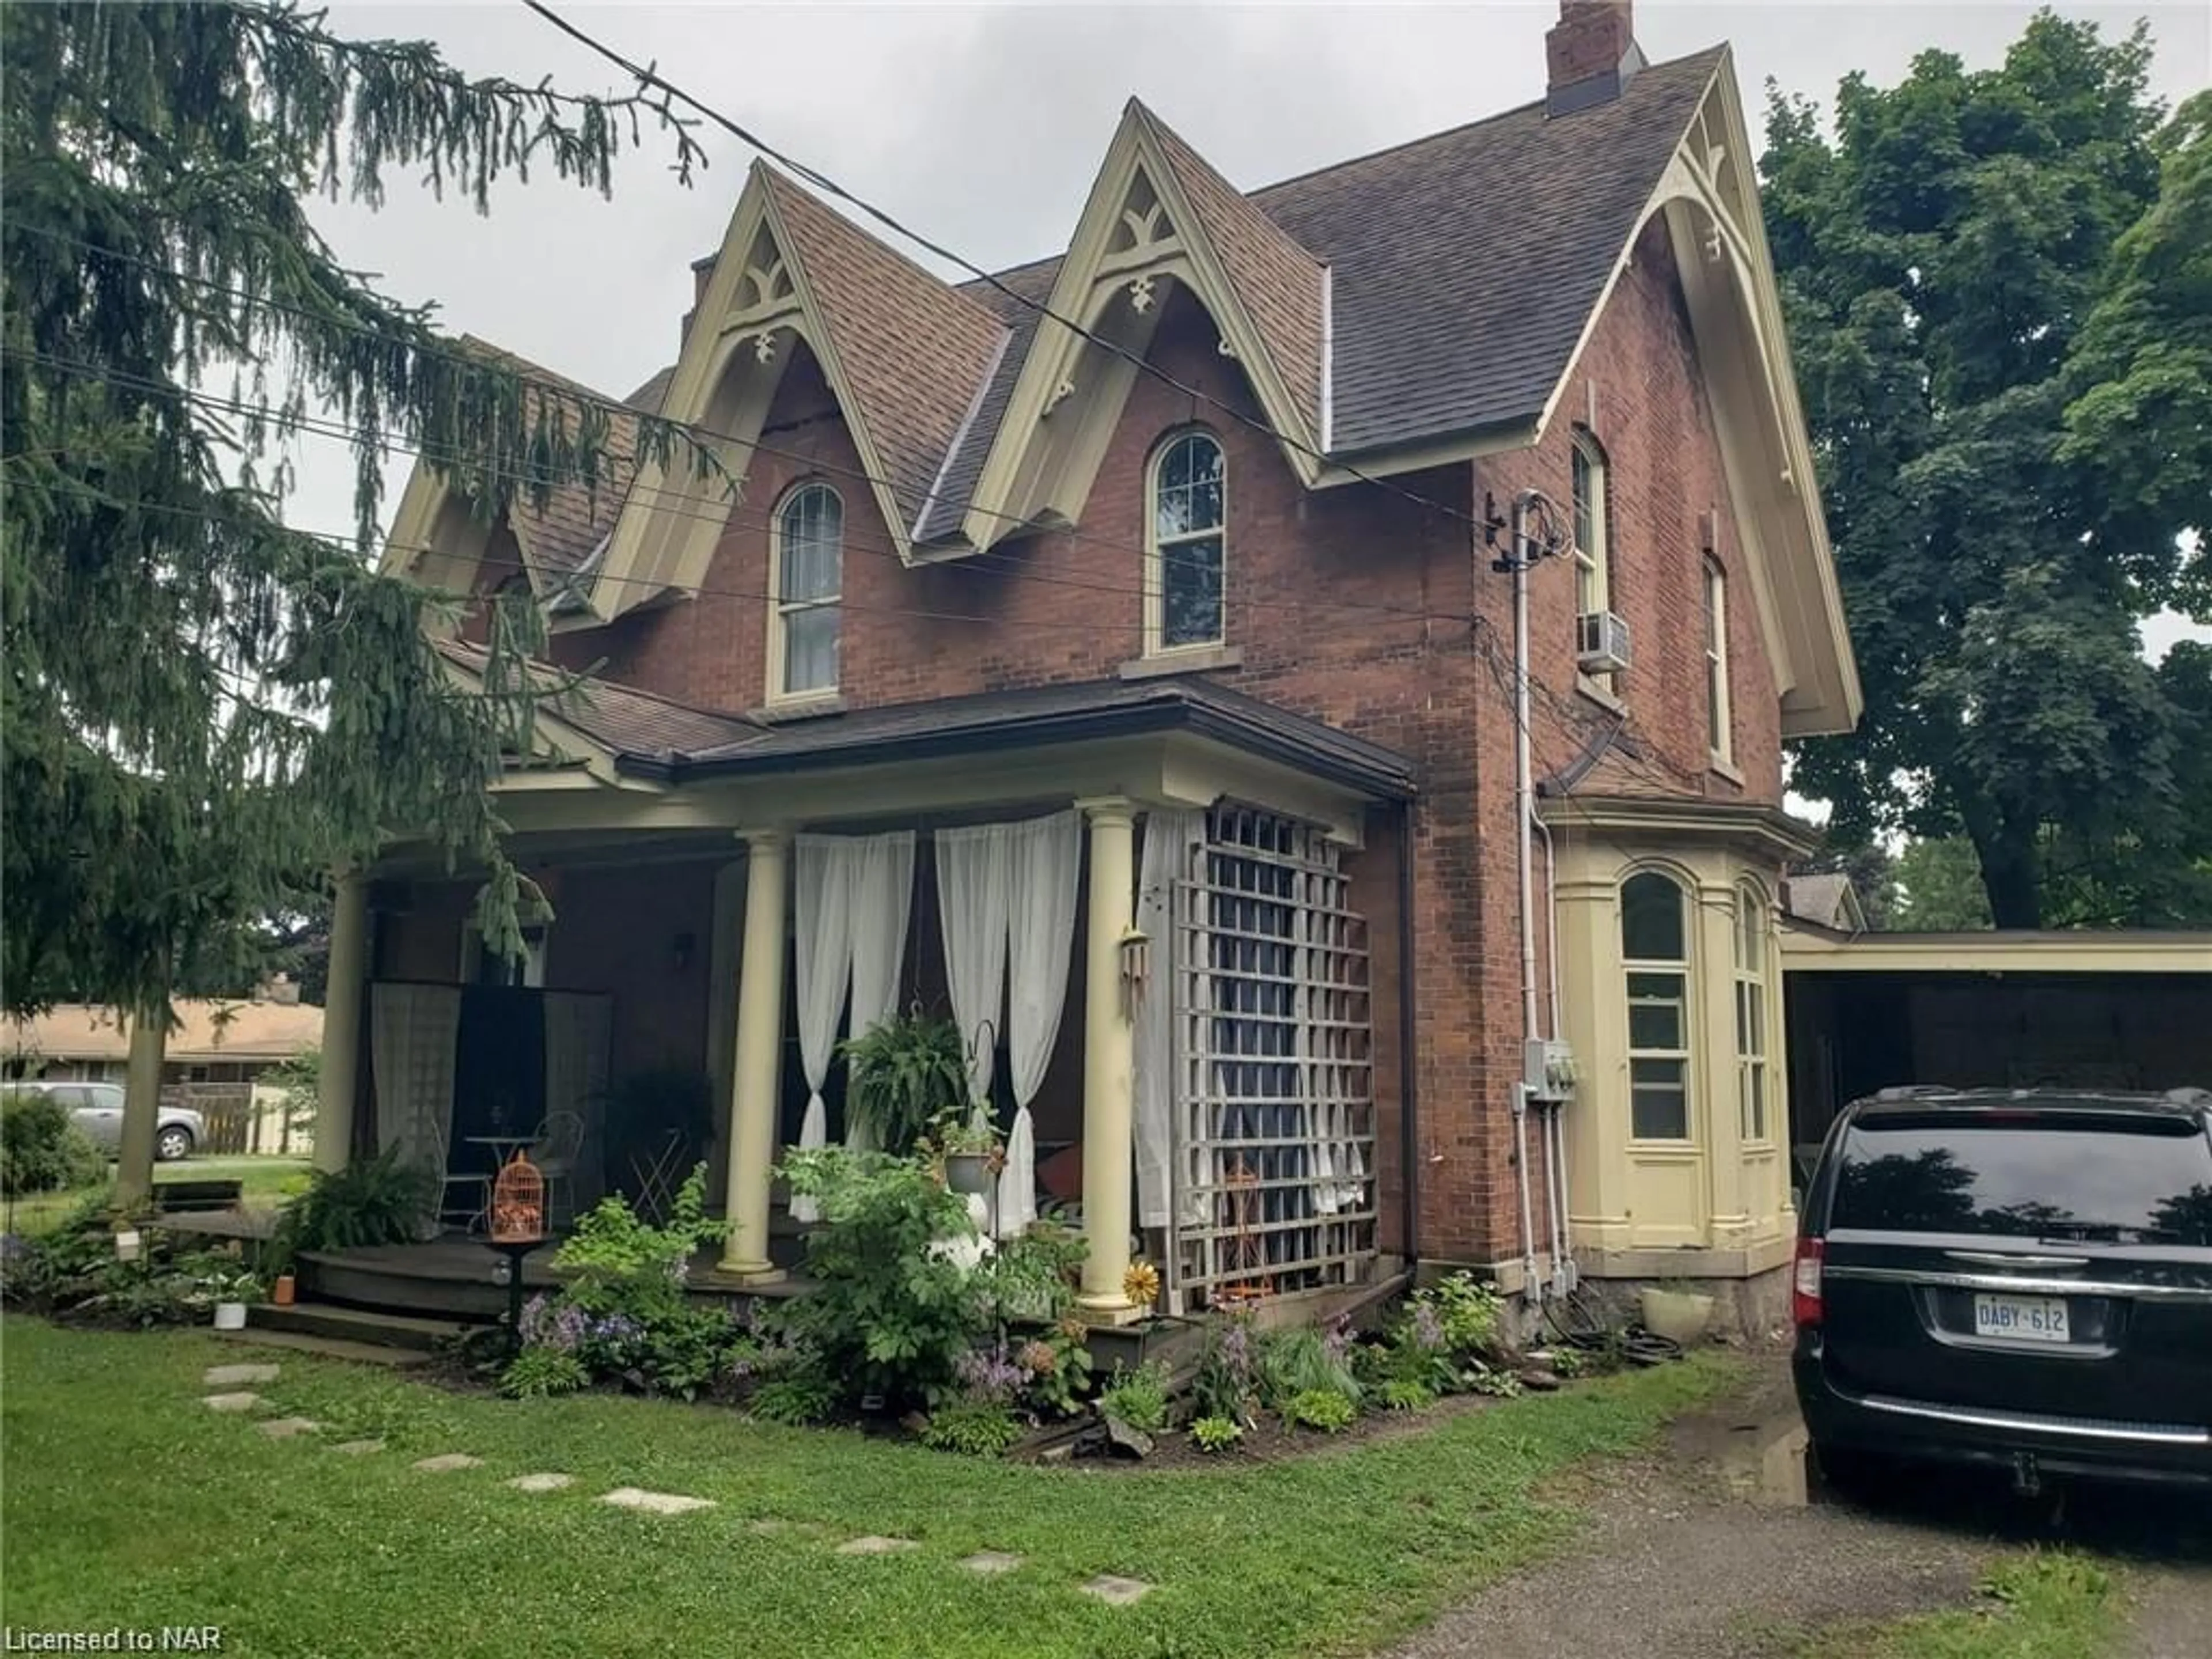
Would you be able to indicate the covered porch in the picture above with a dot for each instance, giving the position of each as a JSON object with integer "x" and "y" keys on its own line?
{"x": 1143, "y": 905}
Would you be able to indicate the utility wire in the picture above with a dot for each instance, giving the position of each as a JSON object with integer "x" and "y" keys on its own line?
{"x": 572, "y": 391}
{"x": 647, "y": 76}
{"x": 989, "y": 562}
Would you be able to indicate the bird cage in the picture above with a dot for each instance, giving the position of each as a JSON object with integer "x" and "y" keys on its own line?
{"x": 518, "y": 1200}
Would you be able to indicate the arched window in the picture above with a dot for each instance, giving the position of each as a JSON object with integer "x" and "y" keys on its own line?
{"x": 1186, "y": 546}
{"x": 1752, "y": 1084}
{"x": 1654, "y": 953}
{"x": 809, "y": 559}
{"x": 1593, "y": 536}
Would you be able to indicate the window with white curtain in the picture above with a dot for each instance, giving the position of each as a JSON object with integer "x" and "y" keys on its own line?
{"x": 809, "y": 561}
{"x": 1753, "y": 1085}
{"x": 1186, "y": 546}
{"x": 1654, "y": 955}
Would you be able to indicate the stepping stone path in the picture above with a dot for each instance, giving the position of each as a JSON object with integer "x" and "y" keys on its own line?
{"x": 991, "y": 1563}
{"x": 1117, "y": 1592}
{"x": 232, "y": 1377}
{"x": 655, "y": 1503}
{"x": 541, "y": 1482}
{"x": 875, "y": 1546}
{"x": 447, "y": 1463}
{"x": 283, "y": 1428}
{"x": 232, "y": 1402}
{"x": 358, "y": 1448}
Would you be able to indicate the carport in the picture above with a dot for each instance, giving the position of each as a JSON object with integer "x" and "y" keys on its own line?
{"x": 1988, "y": 1010}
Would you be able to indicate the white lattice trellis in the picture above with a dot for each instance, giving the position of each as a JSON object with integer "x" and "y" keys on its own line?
{"x": 1275, "y": 1118}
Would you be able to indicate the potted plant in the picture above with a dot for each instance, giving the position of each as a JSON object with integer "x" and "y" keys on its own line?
{"x": 968, "y": 1150}
{"x": 907, "y": 1073}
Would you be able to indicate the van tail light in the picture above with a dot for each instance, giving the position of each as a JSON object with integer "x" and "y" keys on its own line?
{"x": 1805, "y": 1282}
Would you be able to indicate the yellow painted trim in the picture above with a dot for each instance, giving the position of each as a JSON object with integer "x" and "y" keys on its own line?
{"x": 773, "y": 691}
{"x": 1054, "y": 347}
{"x": 1197, "y": 772}
{"x": 1155, "y": 581}
{"x": 1807, "y": 949}
{"x": 1787, "y": 542}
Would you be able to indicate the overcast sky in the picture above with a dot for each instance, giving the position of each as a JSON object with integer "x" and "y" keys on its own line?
{"x": 983, "y": 126}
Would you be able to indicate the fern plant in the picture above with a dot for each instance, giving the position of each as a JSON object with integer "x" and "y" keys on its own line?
{"x": 372, "y": 1200}
{"x": 906, "y": 1073}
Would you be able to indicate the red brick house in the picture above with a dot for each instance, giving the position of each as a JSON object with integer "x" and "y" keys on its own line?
{"x": 1149, "y": 663}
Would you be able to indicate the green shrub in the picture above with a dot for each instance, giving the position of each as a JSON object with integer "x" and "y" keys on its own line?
{"x": 372, "y": 1200}
{"x": 1492, "y": 1380}
{"x": 40, "y": 1150}
{"x": 182, "y": 1289}
{"x": 1215, "y": 1434}
{"x": 1325, "y": 1409}
{"x": 797, "y": 1399}
{"x": 1059, "y": 1368}
{"x": 1399, "y": 1395}
{"x": 1300, "y": 1359}
{"x": 537, "y": 1373}
{"x": 1138, "y": 1398}
{"x": 976, "y": 1428}
{"x": 1467, "y": 1313}
{"x": 617, "y": 1262}
{"x": 892, "y": 1313}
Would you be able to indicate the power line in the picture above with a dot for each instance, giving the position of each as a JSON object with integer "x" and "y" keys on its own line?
{"x": 646, "y": 77}
{"x": 1005, "y": 561}
{"x": 999, "y": 563}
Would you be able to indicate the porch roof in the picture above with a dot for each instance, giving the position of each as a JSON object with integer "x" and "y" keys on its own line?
{"x": 653, "y": 738}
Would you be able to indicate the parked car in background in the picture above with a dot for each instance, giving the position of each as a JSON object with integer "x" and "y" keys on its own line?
{"x": 2018, "y": 1278}
{"x": 97, "y": 1109}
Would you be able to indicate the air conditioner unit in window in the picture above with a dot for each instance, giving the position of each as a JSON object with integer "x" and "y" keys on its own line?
{"x": 1601, "y": 642}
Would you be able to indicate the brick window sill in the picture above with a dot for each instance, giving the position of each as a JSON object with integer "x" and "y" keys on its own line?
{"x": 1725, "y": 769}
{"x": 1190, "y": 660}
{"x": 1600, "y": 694}
{"x": 797, "y": 708}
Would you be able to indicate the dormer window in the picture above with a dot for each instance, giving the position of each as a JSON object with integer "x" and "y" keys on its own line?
{"x": 809, "y": 563}
{"x": 1187, "y": 547}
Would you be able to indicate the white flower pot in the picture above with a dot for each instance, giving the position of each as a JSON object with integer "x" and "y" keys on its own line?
{"x": 230, "y": 1316}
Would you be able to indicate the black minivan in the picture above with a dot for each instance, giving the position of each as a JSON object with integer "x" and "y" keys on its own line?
{"x": 2020, "y": 1279}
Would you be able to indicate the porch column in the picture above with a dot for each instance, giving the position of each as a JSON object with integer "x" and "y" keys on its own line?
{"x": 343, "y": 996}
{"x": 141, "y": 1107}
{"x": 756, "y": 1081}
{"x": 1110, "y": 1062}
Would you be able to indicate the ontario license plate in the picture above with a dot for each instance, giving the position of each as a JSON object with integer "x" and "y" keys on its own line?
{"x": 2022, "y": 1318}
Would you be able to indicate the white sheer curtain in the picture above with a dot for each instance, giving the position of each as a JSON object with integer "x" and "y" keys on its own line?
{"x": 973, "y": 894}
{"x": 413, "y": 1032}
{"x": 1043, "y": 856}
{"x": 822, "y": 867}
{"x": 882, "y": 904}
{"x": 1169, "y": 833}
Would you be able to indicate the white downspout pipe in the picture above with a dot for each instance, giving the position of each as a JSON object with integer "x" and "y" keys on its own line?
{"x": 1564, "y": 1276}
{"x": 1524, "y": 804}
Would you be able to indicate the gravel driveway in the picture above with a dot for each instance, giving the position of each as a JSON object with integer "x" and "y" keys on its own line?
{"x": 1710, "y": 1549}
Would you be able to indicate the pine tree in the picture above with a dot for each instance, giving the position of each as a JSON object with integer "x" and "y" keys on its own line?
{"x": 206, "y": 711}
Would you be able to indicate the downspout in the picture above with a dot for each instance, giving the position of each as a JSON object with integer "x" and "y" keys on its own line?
{"x": 1409, "y": 1117}
{"x": 1524, "y": 811}
{"x": 1563, "y": 1274}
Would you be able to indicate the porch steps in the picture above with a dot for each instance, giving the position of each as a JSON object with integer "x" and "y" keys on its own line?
{"x": 357, "y": 1327}
{"x": 329, "y": 1347}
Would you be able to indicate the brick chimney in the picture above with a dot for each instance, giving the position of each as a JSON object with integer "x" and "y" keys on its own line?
{"x": 1591, "y": 53}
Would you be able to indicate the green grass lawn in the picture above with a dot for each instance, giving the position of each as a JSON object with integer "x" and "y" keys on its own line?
{"x": 126, "y": 1501}
{"x": 2038, "y": 1605}
{"x": 268, "y": 1182}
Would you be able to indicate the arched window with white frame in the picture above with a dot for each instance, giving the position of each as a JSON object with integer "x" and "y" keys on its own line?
{"x": 1655, "y": 951}
{"x": 1186, "y": 546}
{"x": 1593, "y": 535}
{"x": 808, "y": 560}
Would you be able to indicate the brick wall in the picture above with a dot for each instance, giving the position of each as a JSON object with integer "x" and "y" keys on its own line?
{"x": 1064, "y": 607}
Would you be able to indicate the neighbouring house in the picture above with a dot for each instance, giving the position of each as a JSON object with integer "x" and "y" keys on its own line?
{"x": 1138, "y": 684}
{"x": 215, "y": 1040}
